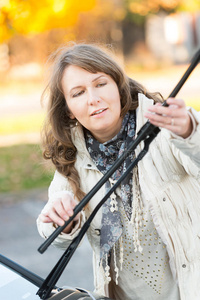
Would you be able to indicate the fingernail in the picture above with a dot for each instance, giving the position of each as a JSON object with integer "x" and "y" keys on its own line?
{"x": 61, "y": 223}
{"x": 70, "y": 212}
{"x": 65, "y": 217}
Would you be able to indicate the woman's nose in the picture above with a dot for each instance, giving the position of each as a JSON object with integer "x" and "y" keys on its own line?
{"x": 93, "y": 97}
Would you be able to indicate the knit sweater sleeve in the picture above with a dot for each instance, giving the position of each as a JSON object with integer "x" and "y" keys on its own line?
{"x": 187, "y": 151}
{"x": 58, "y": 186}
{"x": 174, "y": 148}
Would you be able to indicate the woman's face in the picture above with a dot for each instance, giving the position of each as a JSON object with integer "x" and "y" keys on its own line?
{"x": 94, "y": 100}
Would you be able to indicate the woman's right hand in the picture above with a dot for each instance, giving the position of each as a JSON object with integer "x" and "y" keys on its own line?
{"x": 59, "y": 210}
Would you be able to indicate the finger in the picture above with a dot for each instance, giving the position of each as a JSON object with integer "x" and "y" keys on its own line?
{"x": 174, "y": 101}
{"x": 60, "y": 210}
{"x": 173, "y": 128}
{"x": 158, "y": 120}
{"x": 68, "y": 204}
{"x": 55, "y": 217}
{"x": 172, "y": 111}
{"x": 163, "y": 111}
{"x": 167, "y": 120}
{"x": 177, "y": 125}
{"x": 69, "y": 207}
{"x": 44, "y": 219}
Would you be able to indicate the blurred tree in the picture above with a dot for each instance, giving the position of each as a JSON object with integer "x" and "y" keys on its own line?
{"x": 40, "y": 27}
{"x": 30, "y": 16}
{"x": 103, "y": 24}
{"x": 137, "y": 12}
{"x": 137, "y": 9}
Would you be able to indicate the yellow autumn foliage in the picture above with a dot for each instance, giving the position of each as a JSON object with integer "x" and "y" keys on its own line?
{"x": 30, "y": 16}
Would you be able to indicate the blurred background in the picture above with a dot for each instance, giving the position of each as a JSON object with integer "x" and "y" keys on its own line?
{"x": 153, "y": 39}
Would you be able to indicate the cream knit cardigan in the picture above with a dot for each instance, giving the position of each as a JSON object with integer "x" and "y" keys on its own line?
{"x": 169, "y": 177}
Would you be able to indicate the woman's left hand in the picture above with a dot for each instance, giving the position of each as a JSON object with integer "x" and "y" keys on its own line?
{"x": 173, "y": 117}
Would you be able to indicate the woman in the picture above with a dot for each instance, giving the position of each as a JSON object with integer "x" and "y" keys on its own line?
{"x": 146, "y": 237}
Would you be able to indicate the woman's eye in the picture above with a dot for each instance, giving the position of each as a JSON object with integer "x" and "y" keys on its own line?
{"x": 101, "y": 84}
{"x": 78, "y": 94}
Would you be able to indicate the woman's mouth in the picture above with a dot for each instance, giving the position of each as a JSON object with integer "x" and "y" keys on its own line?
{"x": 97, "y": 112}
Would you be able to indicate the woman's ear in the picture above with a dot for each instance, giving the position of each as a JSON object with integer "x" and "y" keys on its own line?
{"x": 71, "y": 116}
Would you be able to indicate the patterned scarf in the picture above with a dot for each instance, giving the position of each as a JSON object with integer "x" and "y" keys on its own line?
{"x": 104, "y": 155}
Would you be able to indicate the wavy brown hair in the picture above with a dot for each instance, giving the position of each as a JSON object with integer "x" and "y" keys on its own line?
{"x": 56, "y": 138}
